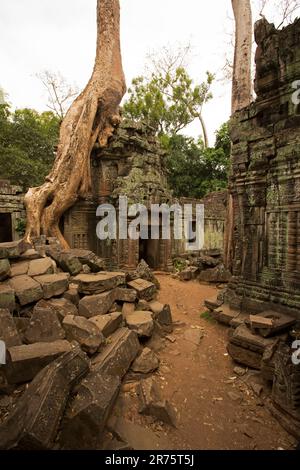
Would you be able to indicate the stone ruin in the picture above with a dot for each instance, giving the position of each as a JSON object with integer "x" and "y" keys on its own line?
{"x": 11, "y": 211}
{"x": 262, "y": 302}
{"x": 72, "y": 332}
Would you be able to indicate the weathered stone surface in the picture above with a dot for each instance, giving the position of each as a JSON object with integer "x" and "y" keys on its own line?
{"x": 125, "y": 295}
{"x": 86, "y": 418}
{"x": 143, "y": 271}
{"x": 69, "y": 263}
{"x": 270, "y": 323}
{"x": 7, "y": 297}
{"x": 244, "y": 337}
{"x": 134, "y": 436}
{"x": 8, "y": 331}
{"x": 44, "y": 325}
{"x": 27, "y": 360}
{"x": 29, "y": 255}
{"x": 21, "y": 325}
{"x": 145, "y": 290}
{"x": 62, "y": 307}
{"x": 189, "y": 273}
{"x": 4, "y": 269}
{"x": 109, "y": 323}
{"x": 127, "y": 309}
{"x": 86, "y": 333}
{"x": 27, "y": 290}
{"x": 143, "y": 305}
{"x": 219, "y": 274}
{"x": 20, "y": 268}
{"x": 34, "y": 423}
{"x": 72, "y": 294}
{"x": 98, "y": 283}
{"x": 140, "y": 322}
{"x": 53, "y": 284}
{"x": 41, "y": 266}
{"x": 225, "y": 314}
{"x": 213, "y": 303}
{"x": 161, "y": 313}
{"x": 89, "y": 258}
{"x": 146, "y": 362}
{"x": 194, "y": 335}
{"x": 152, "y": 403}
{"x": 93, "y": 305}
{"x": 118, "y": 355}
{"x": 244, "y": 356}
{"x": 12, "y": 250}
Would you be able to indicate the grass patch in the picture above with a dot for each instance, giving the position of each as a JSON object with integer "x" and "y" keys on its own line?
{"x": 207, "y": 316}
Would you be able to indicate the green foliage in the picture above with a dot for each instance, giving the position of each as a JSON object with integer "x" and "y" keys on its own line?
{"x": 207, "y": 316}
{"x": 20, "y": 226}
{"x": 194, "y": 170}
{"x": 27, "y": 145}
{"x": 167, "y": 101}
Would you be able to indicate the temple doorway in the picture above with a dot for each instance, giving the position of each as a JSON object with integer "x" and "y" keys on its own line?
{"x": 5, "y": 228}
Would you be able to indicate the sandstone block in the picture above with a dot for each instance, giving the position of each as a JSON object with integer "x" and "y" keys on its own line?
{"x": 146, "y": 362}
{"x": 86, "y": 333}
{"x": 94, "y": 305}
{"x": 145, "y": 289}
{"x": 109, "y": 323}
{"x": 7, "y": 297}
{"x": 44, "y": 325}
{"x": 41, "y": 266}
{"x": 141, "y": 322}
{"x": 4, "y": 269}
{"x": 8, "y": 330}
{"x": 97, "y": 283}
{"x": 53, "y": 285}
{"x": 27, "y": 290}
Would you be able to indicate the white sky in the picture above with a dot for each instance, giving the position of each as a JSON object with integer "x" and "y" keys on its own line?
{"x": 60, "y": 35}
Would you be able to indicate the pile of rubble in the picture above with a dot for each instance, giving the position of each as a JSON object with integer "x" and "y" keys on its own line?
{"x": 266, "y": 342}
{"x": 205, "y": 265}
{"x": 72, "y": 331}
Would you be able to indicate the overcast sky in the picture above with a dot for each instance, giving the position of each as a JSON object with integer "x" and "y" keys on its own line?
{"x": 60, "y": 35}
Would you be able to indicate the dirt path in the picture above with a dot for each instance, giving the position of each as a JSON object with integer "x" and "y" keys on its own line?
{"x": 216, "y": 409}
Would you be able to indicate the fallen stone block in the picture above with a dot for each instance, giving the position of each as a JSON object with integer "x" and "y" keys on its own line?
{"x": 86, "y": 333}
{"x": 141, "y": 322}
{"x": 21, "y": 325}
{"x": 225, "y": 314}
{"x": 270, "y": 323}
{"x": 62, "y": 307}
{"x": 109, "y": 323}
{"x": 7, "y": 297}
{"x": 97, "y": 283}
{"x": 189, "y": 273}
{"x": 26, "y": 361}
{"x": 19, "y": 269}
{"x": 127, "y": 309}
{"x": 143, "y": 271}
{"x": 216, "y": 275}
{"x": 27, "y": 290}
{"x": 53, "y": 285}
{"x": 161, "y": 313}
{"x": 90, "y": 259}
{"x": 242, "y": 336}
{"x": 44, "y": 325}
{"x": 94, "y": 305}
{"x": 69, "y": 263}
{"x": 118, "y": 355}
{"x": 245, "y": 356}
{"x": 30, "y": 254}
{"x": 152, "y": 403}
{"x": 146, "y": 362}
{"x": 145, "y": 290}
{"x": 8, "y": 330}
{"x": 72, "y": 295}
{"x": 213, "y": 303}
{"x": 12, "y": 250}
{"x": 86, "y": 418}
{"x": 241, "y": 319}
{"x": 125, "y": 295}
{"x": 41, "y": 266}
{"x": 4, "y": 269}
{"x": 34, "y": 423}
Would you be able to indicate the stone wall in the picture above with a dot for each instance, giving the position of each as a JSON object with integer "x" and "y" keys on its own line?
{"x": 11, "y": 210}
{"x": 265, "y": 180}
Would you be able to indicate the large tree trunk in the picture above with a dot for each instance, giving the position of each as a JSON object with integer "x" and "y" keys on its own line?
{"x": 91, "y": 118}
{"x": 241, "y": 81}
{"x": 241, "y": 95}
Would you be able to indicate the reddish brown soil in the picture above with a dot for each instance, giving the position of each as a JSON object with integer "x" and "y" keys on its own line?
{"x": 215, "y": 408}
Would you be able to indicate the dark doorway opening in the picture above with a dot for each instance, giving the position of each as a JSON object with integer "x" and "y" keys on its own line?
{"x": 5, "y": 228}
{"x": 149, "y": 252}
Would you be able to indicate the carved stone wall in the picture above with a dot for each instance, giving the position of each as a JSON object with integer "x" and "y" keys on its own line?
{"x": 11, "y": 210}
{"x": 265, "y": 179}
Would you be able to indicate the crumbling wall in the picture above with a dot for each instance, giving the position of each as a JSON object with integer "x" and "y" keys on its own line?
{"x": 265, "y": 179}
{"x": 11, "y": 210}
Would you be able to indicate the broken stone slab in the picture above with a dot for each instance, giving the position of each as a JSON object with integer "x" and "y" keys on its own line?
{"x": 242, "y": 336}
{"x": 216, "y": 275}
{"x": 143, "y": 271}
{"x": 146, "y": 362}
{"x": 118, "y": 354}
{"x": 72, "y": 295}
{"x": 270, "y": 323}
{"x": 86, "y": 418}
{"x": 145, "y": 290}
{"x": 21, "y": 325}
{"x": 7, "y": 297}
{"x": 141, "y": 322}
{"x": 134, "y": 436}
{"x": 30, "y": 254}
{"x": 53, "y": 285}
{"x": 12, "y": 250}
{"x": 27, "y": 290}
{"x": 20, "y": 268}
{"x": 26, "y": 361}
{"x": 99, "y": 304}
{"x": 245, "y": 356}
{"x": 44, "y": 325}
{"x": 97, "y": 283}
{"x": 4, "y": 269}
{"x": 8, "y": 330}
{"x": 161, "y": 313}
{"x": 241, "y": 319}
{"x": 69, "y": 263}
{"x": 62, "y": 307}
{"x": 152, "y": 403}
{"x": 41, "y": 266}
{"x": 125, "y": 295}
{"x": 213, "y": 303}
{"x": 225, "y": 314}
{"x": 90, "y": 259}
{"x": 109, "y": 323}
{"x": 189, "y": 273}
{"x": 86, "y": 333}
{"x": 143, "y": 305}
{"x": 34, "y": 423}
{"x": 127, "y": 309}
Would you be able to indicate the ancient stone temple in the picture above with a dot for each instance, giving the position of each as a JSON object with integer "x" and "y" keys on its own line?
{"x": 12, "y": 211}
{"x": 265, "y": 180}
